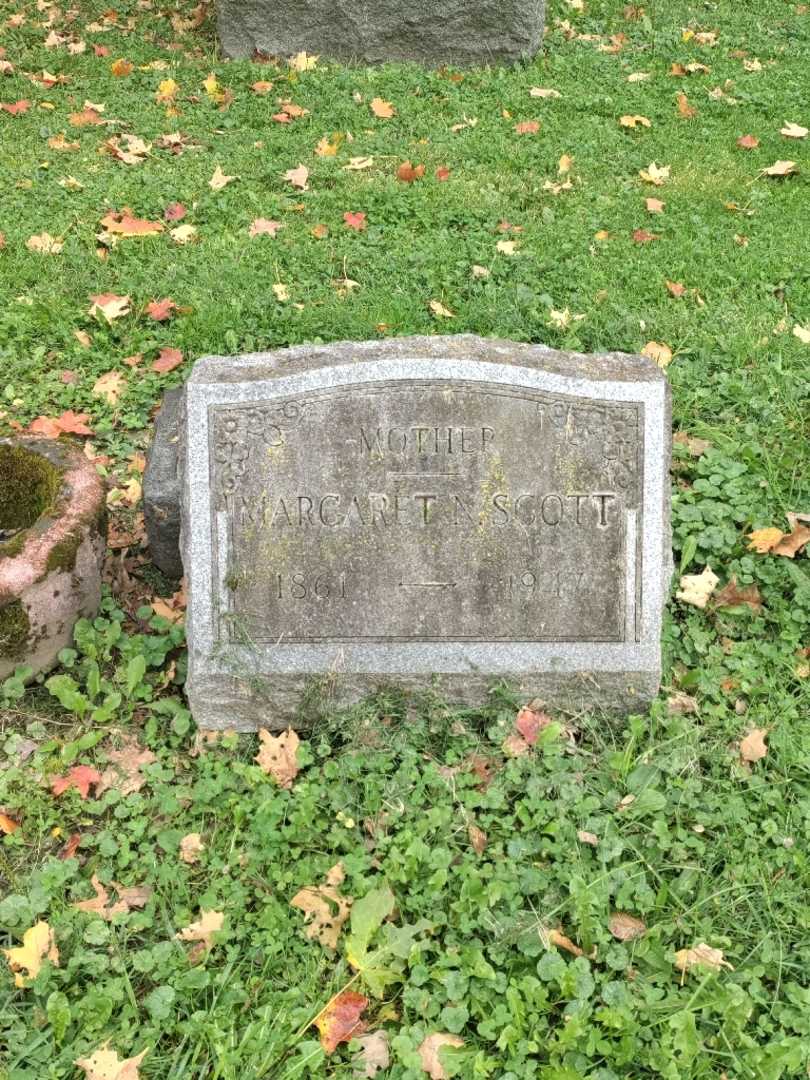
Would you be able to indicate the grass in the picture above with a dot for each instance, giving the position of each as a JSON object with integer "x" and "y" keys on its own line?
{"x": 708, "y": 850}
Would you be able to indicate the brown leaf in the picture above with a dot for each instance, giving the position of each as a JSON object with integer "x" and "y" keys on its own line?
{"x": 277, "y": 756}
{"x": 752, "y": 747}
{"x": 44, "y": 244}
{"x": 696, "y": 447}
{"x": 167, "y": 360}
{"x": 340, "y": 1020}
{"x": 101, "y": 905}
{"x": 125, "y": 225}
{"x": 748, "y": 142}
{"x": 644, "y": 236}
{"x": 8, "y": 825}
{"x": 124, "y": 771}
{"x": 529, "y": 723}
{"x": 478, "y": 839}
{"x": 587, "y": 838}
{"x": 373, "y": 1054}
{"x": 687, "y": 111}
{"x": 175, "y": 212}
{"x": 161, "y": 310}
{"x": 558, "y": 938}
{"x": 325, "y": 909}
{"x": 795, "y": 540}
{"x": 409, "y": 173}
{"x": 105, "y": 1064}
{"x": 87, "y": 117}
{"x": 219, "y": 180}
{"x": 527, "y": 127}
{"x": 382, "y": 109}
{"x": 676, "y": 289}
{"x": 626, "y": 927}
{"x": 69, "y": 423}
{"x": 701, "y": 956}
{"x": 191, "y": 847}
{"x": 80, "y": 777}
{"x": 429, "y": 1053}
{"x": 69, "y": 850}
{"x": 634, "y": 121}
{"x": 731, "y": 595}
{"x": 679, "y": 703}
{"x": 204, "y": 929}
{"x": 121, "y": 67}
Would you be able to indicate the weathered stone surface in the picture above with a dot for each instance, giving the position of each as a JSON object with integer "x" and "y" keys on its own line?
{"x": 161, "y": 488}
{"x": 424, "y": 512}
{"x": 431, "y": 32}
{"x": 52, "y": 541}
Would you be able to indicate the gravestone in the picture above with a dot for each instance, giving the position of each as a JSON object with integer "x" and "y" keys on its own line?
{"x": 433, "y": 32}
{"x": 423, "y": 512}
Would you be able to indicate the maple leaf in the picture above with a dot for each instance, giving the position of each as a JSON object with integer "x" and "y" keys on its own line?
{"x": 204, "y": 929}
{"x": 281, "y": 292}
{"x": 752, "y": 747}
{"x": 634, "y": 121}
{"x": 17, "y": 108}
{"x": 655, "y": 206}
{"x": 124, "y": 224}
{"x": 264, "y": 227}
{"x": 59, "y": 142}
{"x": 121, "y": 67}
{"x": 802, "y": 333}
{"x": 409, "y": 173}
{"x": 527, "y": 127}
{"x": 794, "y": 131}
{"x": 80, "y": 777}
{"x": 382, "y": 109}
{"x": 219, "y": 180}
{"x": 261, "y": 87}
{"x": 124, "y": 771}
{"x": 277, "y": 756}
{"x": 373, "y": 1054}
{"x": 659, "y": 352}
{"x": 764, "y": 540}
{"x": 161, "y": 310}
{"x": 167, "y": 360}
{"x": 355, "y": 220}
{"x": 105, "y": 1064}
{"x": 748, "y": 142}
{"x": 319, "y": 231}
{"x": 357, "y": 163}
{"x": 731, "y": 595}
{"x": 626, "y": 927}
{"x": 529, "y": 723}
{"x": 298, "y": 177}
{"x": 325, "y": 909}
{"x": 191, "y": 846}
{"x": 695, "y": 589}
{"x": 109, "y": 306}
{"x": 507, "y": 247}
{"x": 166, "y": 92}
{"x": 134, "y": 153}
{"x": 86, "y": 118}
{"x": 701, "y": 956}
{"x": 676, "y": 289}
{"x": 429, "y": 1053}
{"x": 655, "y": 174}
{"x": 100, "y": 904}
{"x": 175, "y": 212}
{"x": 69, "y": 423}
{"x": 44, "y": 244}
{"x": 26, "y": 959}
{"x": 780, "y": 169}
{"x": 440, "y": 311}
{"x": 110, "y": 386}
{"x": 340, "y": 1020}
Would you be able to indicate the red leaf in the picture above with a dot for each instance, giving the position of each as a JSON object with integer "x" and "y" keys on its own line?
{"x": 168, "y": 360}
{"x": 442, "y": 173}
{"x": 175, "y": 211}
{"x": 748, "y": 142}
{"x": 408, "y": 173}
{"x": 69, "y": 850}
{"x": 17, "y": 108}
{"x": 642, "y": 236}
{"x": 356, "y": 221}
{"x": 530, "y": 723}
{"x": 340, "y": 1020}
{"x": 101, "y": 50}
{"x": 161, "y": 310}
{"x": 80, "y": 777}
{"x": 68, "y": 423}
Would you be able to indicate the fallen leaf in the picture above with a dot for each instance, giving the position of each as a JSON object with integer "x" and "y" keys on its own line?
{"x": 134, "y": 152}
{"x": 110, "y": 386}
{"x": 676, "y": 289}
{"x": 277, "y": 756}
{"x": 319, "y": 231}
{"x": 430, "y": 1050}
{"x": 357, "y": 163}
{"x": 527, "y": 127}
{"x": 100, "y": 904}
{"x": 731, "y": 595}
{"x": 26, "y": 959}
{"x": 626, "y": 927}
{"x": 655, "y": 174}
{"x": 659, "y": 352}
{"x": 340, "y": 1020}
{"x": 328, "y": 147}
{"x": 262, "y": 87}
{"x": 325, "y": 909}
{"x": 794, "y": 131}
{"x": 191, "y": 846}
{"x": 298, "y": 177}
{"x": 644, "y": 236}
{"x": 167, "y": 360}
{"x": 634, "y": 121}
{"x": 701, "y": 956}
{"x": 86, "y": 118}
{"x": 61, "y": 143}
{"x": 681, "y": 704}
{"x": 105, "y": 1064}
{"x": 695, "y": 589}
{"x": 409, "y": 173}
{"x": 109, "y": 306}
{"x": 44, "y": 244}
{"x": 795, "y": 540}
{"x": 17, "y": 108}
{"x": 69, "y": 423}
{"x": 685, "y": 110}
{"x": 764, "y": 540}
{"x": 382, "y": 109}
{"x": 541, "y": 92}
{"x": 124, "y": 771}
{"x": 166, "y": 92}
{"x": 373, "y": 1054}
{"x": 752, "y": 747}
{"x": 507, "y": 247}
{"x": 442, "y": 173}
{"x": 8, "y": 825}
{"x": 587, "y": 838}
{"x": 303, "y": 61}
{"x": 80, "y": 777}
{"x": 802, "y": 333}
{"x": 696, "y": 447}
{"x": 161, "y": 310}
{"x": 204, "y": 929}
{"x": 638, "y": 76}
{"x": 748, "y": 142}
{"x": 264, "y": 227}
{"x": 562, "y": 941}
{"x": 121, "y": 67}
{"x": 529, "y": 723}
{"x": 478, "y": 839}
{"x": 219, "y": 180}
{"x": 183, "y": 234}
{"x": 125, "y": 225}
{"x": 355, "y": 220}
{"x": 69, "y": 850}
{"x": 440, "y": 311}
{"x": 655, "y": 206}
{"x": 281, "y": 292}
{"x": 780, "y": 169}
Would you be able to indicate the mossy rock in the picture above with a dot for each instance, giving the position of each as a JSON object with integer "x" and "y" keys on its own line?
{"x": 29, "y": 485}
{"x": 15, "y": 629}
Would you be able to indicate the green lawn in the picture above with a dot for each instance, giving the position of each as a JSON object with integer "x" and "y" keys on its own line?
{"x": 655, "y": 816}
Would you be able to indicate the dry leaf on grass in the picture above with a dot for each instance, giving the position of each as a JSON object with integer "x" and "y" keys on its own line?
{"x": 191, "y": 847}
{"x": 325, "y": 909}
{"x": 655, "y": 174}
{"x": 731, "y": 595}
{"x": 659, "y": 352}
{"x": 110, "y": 386}
{"x": 45, "y": 244}
{"x": 478, "y": 839}
{"x": 340, "y": 1020}
{"x": 626, "y": 927}
{"x": 562, "y": 941}
{"x": 701, "y": 956}
{"x": 298, "y": 177}
{"x": 109, "y": 306}
{"x": 695, "y": 589}
{"x": 440, "y": 311}
{"x": 105, "y": 1064}
{"x": 587, "y": 837}
{"x": 780, "y": 169}
{"x": 373, "y": 1054}
{"x": 219, "y": 180}
{"x": 204, "y": 929}
{"x": 752, "y": 747}
{"x": 124, "y": 771}
{"x": 80, "y": 777}
{"x": 430, "y": 1050}
{"x": 277, "y": 756}
{"x": 382, "y": 109}
{"x": 26, "y": 960}
{"x": 130, "y": 897}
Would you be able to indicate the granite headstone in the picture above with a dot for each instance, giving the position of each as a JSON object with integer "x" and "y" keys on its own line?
{"x": 433, "y": 32}
{"x": 423, "y": 512}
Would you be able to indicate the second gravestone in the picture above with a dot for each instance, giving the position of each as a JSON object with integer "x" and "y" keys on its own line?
{"x": 446, "y": 512}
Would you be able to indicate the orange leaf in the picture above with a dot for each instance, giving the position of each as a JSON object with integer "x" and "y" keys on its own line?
{"x": 69, "y": 423}
{"x": 8, "y": 825}
{"x": 124, "y": 224}
{"x": 530, "y": 723}
{"x": 687, "y": 111}
{"x": 676, "y": 289}
{"x": 643, "y": 236}
{"x": 121, "y": 67}
{"x": 340, "y": 1020}
{"x": 442, "y": 173}
{"x": 383, "y": 109}
{"x": 356, "y": 221}
{"x": 167, "y": 360}
{"x": 85, "y": 118}
{"x": 17, "y": 107}
{"x": 160, "y": 310}
{"x": 527, "y": 127}
{"x": 748, "y": 142}
{"x": 764, "y": 540}
{"x": 80, "y": 777}
{"x": 408, "y": 173}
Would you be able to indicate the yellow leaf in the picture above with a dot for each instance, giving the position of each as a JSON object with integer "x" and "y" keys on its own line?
{"x": 277, "y": 756}
{"x": 110, "y": 386}
{"x": 325, "y": 148}
{"x": 281, "y": 292}
{"x": 764, "y": 540}
{"x": 105, "y": 1064}
{"x": 382, "y": 109}
{"x": 38, "y": 943}
{"x": 655, "y": 174}
{"x": 658, "y": 351}
{"x": 802, "y": 333}
{"x": 634, "y": 121}
{"x": 167, "y": 91}
{"x": 507, "y": 247}
{"x": 752, "y": 747}
{"x": 564, "y": 164}
{"x": 219, "y": 180}
{"x": 357, "y": 163}
{"x": 204, "y": 929}
{"x": 695, "y": 589}
{"x": 302, "y": 61}
{"x": 638, "y": 76}
{"x": 440, "y": 311}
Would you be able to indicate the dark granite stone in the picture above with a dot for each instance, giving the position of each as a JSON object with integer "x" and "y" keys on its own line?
{"x": 161, "y": 488}
{"x": 447, "y": 512}
{"x": 433, "y": 32}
